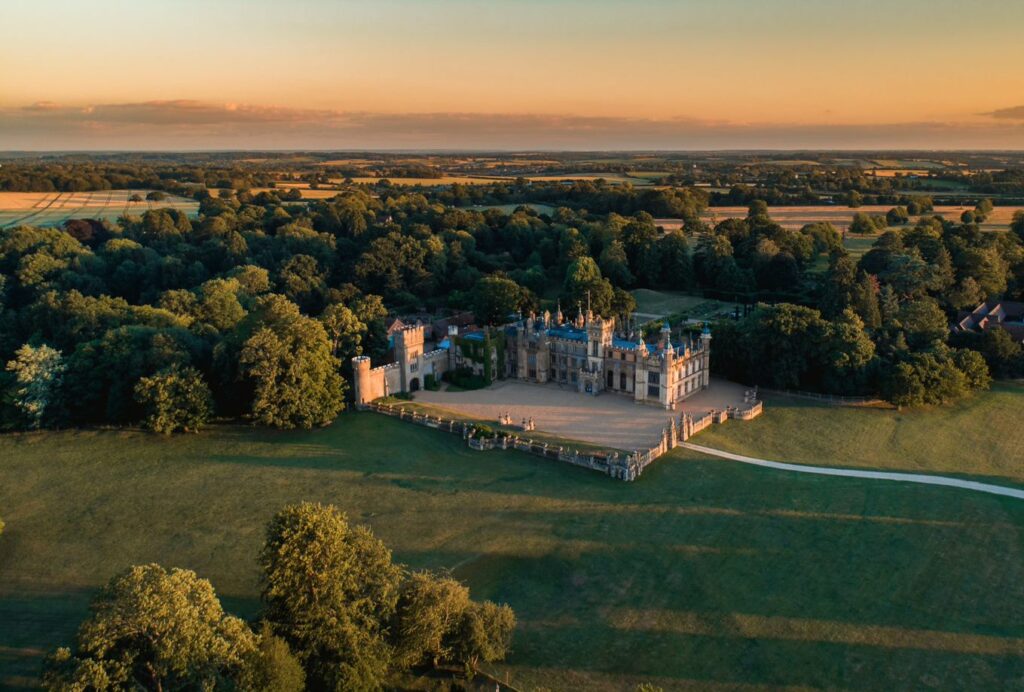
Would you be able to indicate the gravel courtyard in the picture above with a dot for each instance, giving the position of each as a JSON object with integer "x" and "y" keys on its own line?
{"x": 609, "y": 420}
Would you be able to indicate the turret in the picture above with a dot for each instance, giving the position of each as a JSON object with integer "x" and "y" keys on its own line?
{"x": 666, "y": 336}
{"x": 361, "y": 377}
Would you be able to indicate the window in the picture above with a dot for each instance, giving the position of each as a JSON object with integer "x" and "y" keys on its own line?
{"x": 652, "y": 391}
{"x": 622, "y": 381}
{"x": 653, "y": 378}
{"x": 611, "y": 380}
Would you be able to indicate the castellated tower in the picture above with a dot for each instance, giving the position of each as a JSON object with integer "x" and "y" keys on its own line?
{"x": 408, "y": 349}
{"x": 361, "y": 380}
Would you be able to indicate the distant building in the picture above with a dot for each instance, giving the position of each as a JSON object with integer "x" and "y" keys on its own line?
{"x": 584, "y": 354}
{"x": 994, "y": 314}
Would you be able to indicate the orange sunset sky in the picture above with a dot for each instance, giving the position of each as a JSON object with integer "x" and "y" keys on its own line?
{"x": 554, "y": 74}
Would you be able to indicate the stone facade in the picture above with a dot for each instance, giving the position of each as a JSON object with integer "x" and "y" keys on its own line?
{"x": 585, "y": 354}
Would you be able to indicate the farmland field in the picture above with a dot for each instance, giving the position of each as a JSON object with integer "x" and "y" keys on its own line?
{"x": 704, "y": 574}
{"x": 54, "y": 208}
{"x": 444, "y": 180}
{"x": 612, "y": 178}
{"x": 841, "y": 216}
{"x": 304, "y": 191}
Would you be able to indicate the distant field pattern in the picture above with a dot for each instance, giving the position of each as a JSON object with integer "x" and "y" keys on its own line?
{"x": 54, "y": 208}
{"x": 841, "y": 216}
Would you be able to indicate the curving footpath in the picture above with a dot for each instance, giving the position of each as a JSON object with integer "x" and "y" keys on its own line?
{"x": 852, "y": 473}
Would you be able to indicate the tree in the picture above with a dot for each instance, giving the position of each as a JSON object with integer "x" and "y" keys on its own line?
{"x": 866, "y": 223}
{"x": 923, "y": 322}
{"x": 344, "y": 330}
{"x": 36, "y": 390}
{"x": 615, "y": 265}
{"x": 175, "y": 398}
{"x": 273, "y": 667}
{"x": 156, "y": 196}
{"x": 329, "y": 590}
{"x": 429, "y": 610}
{"x": 897, "y": 216}
{"x": 288, "y": 360}
{"x": 676, "y": 264}
{"x": 1017, "y": 225}
{"x": 484, "y": 634}
{"x": 1004, "y": 354}
{"x": 584, "y": 285}
{"x": 154, "y": 629}
{"x": 496, "y": 297}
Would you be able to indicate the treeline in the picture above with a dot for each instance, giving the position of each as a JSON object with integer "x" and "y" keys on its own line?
{"x": 254, "y": 309}
{"x": 881, "y": 324}
{"x": 338, "y": 614}
{"x": 83, "y": 176}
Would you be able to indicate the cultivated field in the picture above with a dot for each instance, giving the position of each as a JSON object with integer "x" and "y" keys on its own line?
{"x": 704, "y": 574}
{"x": 304, "y": 191}
{"x": 842, "y": 216}
{"x": 54, "y": 208}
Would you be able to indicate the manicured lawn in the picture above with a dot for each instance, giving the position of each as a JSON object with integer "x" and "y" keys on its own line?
{"x": 982, "y": 435}
{"x": 704, "y": 574}
{"x": 666, "y": 303}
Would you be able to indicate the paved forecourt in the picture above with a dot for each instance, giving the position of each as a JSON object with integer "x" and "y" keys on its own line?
{"x": 609, "y": 420}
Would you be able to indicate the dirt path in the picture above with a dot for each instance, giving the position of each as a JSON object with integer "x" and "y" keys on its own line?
{"x": 876, "y": 475}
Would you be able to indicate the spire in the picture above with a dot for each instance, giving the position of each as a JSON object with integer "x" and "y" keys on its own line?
{"x": 558, "y": 315}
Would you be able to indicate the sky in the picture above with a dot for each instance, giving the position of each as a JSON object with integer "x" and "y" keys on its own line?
{"x": 514, "y": 75}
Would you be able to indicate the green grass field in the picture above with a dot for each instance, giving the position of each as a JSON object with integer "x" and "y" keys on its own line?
{"x": 981, "y": 435}
{"x": 509, "y": 208}
{"x": 704, "y": 574}
{"x": 664, "y": 303}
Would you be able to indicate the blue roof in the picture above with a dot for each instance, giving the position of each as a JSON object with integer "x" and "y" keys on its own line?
{"x": 624, "y": 344}
{"x": 568, "y": 332}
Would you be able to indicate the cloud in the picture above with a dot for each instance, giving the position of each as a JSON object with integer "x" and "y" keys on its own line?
{"x": 189, "y": 124}
{"x": 1012, "y": 113}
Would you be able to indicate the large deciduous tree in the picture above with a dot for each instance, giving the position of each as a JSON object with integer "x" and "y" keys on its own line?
{"x": 175, "y": 398}
{"x": 496, "y": 297}
{"x": 154, "y": 629}
{"x": 289, "y": 362}
{"x": 36, "y": 389}
{"x": 329, "y": 590}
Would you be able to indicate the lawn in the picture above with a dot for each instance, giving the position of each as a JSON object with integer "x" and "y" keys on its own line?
{"x": 665, "y": 303}
{"x": 509, "y": 208}
{"x": 981, "y": 435}
{"x": 704, "y": 574}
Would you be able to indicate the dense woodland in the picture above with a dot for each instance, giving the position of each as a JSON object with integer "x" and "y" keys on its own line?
{"x": 254, "y": 309}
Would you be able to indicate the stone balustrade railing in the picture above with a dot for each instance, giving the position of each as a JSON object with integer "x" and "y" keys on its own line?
{"x": 623, "y": 466}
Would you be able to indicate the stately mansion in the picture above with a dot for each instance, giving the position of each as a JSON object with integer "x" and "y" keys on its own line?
{"x": 585, "y": 354}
